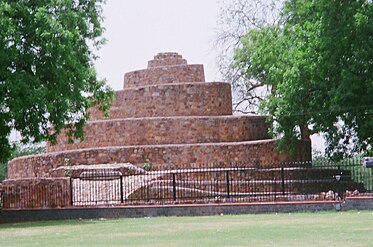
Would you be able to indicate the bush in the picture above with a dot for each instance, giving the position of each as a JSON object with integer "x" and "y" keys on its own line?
{"x": 3, "y": 171}
{"x": 21, "y": 150}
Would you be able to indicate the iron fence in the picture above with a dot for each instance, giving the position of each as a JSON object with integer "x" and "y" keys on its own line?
{"x": 210, "y": 183}
{"x": 239, "y": 183}
{"x": 1, "y": 199}
{"x": 352, "y": 166}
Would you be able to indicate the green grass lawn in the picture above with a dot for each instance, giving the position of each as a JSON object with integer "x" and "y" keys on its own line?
{"x": 296, "y": 229}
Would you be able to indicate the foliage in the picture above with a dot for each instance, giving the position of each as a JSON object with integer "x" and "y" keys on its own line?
{"x": 147, "y": 166}
{"x": 317, "y": 61}
{"x": 47, "y": 80}
{"x": 238, "y": 17}
{"x": 21, "y": 150}
{"x": 353, "y": 164}
{"x": 3, "y": 170}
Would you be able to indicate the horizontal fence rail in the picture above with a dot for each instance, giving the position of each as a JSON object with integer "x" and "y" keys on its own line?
{"x": 210, "y": 183}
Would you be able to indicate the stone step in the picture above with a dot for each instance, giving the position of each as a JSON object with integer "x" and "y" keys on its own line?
{"x": 187, "y": 99}
{"x": 303, "y": 171}
{"x": 166, "y": 59}
{"x": 165, "y": 191}
{"x": 166, "y": 62}
{"x": 167, "y": 130}
{"x": 167, "y": 55}
{"x": 261, "y": 153}
{"x": 238, "y": 186}
{"x": 164, "y": 74}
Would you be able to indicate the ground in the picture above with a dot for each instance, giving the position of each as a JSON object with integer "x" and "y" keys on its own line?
{"x": 294, "y": 229}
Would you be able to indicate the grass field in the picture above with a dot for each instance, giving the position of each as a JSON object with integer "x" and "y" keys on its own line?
{"x": 296, "y": 229}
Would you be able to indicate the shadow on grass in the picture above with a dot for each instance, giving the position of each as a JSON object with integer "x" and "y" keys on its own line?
{"x": 49, "y": 223}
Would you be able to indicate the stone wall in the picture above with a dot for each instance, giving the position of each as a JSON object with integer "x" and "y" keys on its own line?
{"x": 36, "y": 193}
{"x": 167, "y": 130}
{"x": 258, "y": 153}
{"x": 187, "y": 99}
{"x": 183, "y": 210}
{"x": 164, "y": 75}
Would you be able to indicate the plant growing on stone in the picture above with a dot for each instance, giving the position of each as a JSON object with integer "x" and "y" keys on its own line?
{"x": 147, "y": 166}
{"x": 68, "y": 171}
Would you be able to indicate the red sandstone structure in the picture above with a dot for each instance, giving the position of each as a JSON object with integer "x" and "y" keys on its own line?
{"x": 167, "y": 116}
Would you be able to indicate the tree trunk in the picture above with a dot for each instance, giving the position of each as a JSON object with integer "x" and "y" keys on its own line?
{"x": 305, "y": 132}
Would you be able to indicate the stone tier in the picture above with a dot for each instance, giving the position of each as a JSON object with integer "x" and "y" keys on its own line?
{"x": 257, "y": 153}
{"x": 164, "y": 75}
{"x": 167, "y": 130}
{"x": 167, "y": 59}
{"x": 187, "y": 99}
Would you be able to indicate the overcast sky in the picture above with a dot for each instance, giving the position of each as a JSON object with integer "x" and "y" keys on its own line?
{"x": 137, "y": 30}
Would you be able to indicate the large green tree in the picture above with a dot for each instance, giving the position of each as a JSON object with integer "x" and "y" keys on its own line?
{"x": 318, "y": 62}
{"x": 237, "y": 18}
{"x": 47, "y": 79}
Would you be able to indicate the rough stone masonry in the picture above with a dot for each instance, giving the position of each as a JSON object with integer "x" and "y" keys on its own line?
{"x": 166, "y": 115}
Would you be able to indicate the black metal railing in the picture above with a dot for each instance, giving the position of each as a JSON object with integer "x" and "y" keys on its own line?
{"x": 239, "y": 183}
{"x": 206, "y": 183}
{"x": 352, "y": 167}
{"x": 1, "y": 200}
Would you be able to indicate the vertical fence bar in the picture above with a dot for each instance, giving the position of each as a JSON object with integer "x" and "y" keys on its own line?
{"x": 371, "y": 180}
{"x": 1, "y": 200}
{"x": 71, "y": 192}
{"x": 121, "y": 188}
{"x": 174, "y": 186}
{"x": 274, "y": 184}
{"x": 283, "y": 180}
{"x": 227, "y": 177}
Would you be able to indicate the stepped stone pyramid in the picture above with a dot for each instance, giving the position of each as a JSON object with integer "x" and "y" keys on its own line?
{"x": 168, "y": 116}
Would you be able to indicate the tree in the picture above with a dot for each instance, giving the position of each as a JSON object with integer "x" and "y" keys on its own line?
{"x": 237, "y": 18}
{"x": 21, "y": 150}
{"x": 317, "y": 60}
{"x": 47, "y": 80}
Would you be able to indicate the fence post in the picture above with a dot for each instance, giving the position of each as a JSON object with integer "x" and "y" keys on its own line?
{"x": 283, "y": 180}
{"x": 371, "y": 180}
{"x": 227, "y": 176}
{"x": 174, "y": 186}
{"x": 71, "y": 192}
{"x": 274, "y": 188}
{"x": 121, "y": 188}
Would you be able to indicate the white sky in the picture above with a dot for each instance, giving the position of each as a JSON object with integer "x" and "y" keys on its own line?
{"x": 137, "y": 30}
